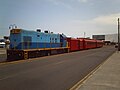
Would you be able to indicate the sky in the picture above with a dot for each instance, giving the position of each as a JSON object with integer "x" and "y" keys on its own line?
{"x": 74, "y": 18}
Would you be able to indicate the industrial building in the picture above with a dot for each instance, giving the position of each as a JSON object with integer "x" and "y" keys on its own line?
{"x": 99, "y": 37}
{"x": 112, "y": 38}
{"x": 108, "y": 38}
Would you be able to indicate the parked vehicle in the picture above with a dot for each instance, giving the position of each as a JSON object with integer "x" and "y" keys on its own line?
{"x": 2, "y": 43}
{"x": 116, "y": 45}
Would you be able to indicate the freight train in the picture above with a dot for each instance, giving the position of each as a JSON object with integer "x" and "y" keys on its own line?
{"x": 25, "y": 44}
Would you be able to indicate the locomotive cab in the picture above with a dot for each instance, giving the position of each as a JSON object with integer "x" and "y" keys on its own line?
{"x": 14, "y": 38}
{"x": 63, "y": 41}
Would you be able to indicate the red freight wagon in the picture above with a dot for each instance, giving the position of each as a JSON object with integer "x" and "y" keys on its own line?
{"x": 90, "y": 43}
{"x": 81, "y": 43}
{"x": 73, "y": 44}
{"x": 99, "y": 43}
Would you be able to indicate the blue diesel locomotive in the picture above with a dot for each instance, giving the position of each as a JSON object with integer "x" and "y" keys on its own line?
{"x": 26, "y": 44}
{"x": 23, "y": 39}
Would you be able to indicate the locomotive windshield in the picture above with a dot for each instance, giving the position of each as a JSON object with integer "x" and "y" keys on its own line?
{"x": 15, "y": 31}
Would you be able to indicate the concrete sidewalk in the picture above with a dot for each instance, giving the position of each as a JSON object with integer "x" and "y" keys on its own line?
{"x": 107, "y": 77}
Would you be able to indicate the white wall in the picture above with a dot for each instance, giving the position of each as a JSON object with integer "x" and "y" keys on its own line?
{"x": 111, "y": 37}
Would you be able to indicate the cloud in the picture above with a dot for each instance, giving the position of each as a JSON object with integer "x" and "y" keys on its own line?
{"x": 67, "y": 3}
{"x": 56, "y": 2}
{"x": 107, "y": 20}
{"x": 99, "y": 25}
{"x": 61, "y": 2}
{"x": 84, "y": 1}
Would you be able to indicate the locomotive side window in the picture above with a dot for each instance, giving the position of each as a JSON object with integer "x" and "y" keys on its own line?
{"x": 38, "y": 35}
{"x": 50, "y": 39}
{"x": 55, "y": 40}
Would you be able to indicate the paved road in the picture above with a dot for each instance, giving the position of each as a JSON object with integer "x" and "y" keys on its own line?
{"x": 59, "y": 72}
{"x": 106, "y": 77}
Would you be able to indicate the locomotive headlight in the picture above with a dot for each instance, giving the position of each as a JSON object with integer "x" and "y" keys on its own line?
{"x": 19, "y": 54}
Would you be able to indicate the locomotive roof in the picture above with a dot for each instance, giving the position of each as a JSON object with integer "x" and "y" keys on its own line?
{"x": 36, "y": 32}
{"x": 32, "y": 31}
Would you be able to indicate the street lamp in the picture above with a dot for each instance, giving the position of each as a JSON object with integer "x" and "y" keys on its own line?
{"x": 12, "y": 26}
{"x": 84, "y": 34}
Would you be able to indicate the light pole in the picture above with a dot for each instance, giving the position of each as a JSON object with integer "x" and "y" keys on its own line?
{"x": 118, "y": 36}
{"x": 12, "y": 26}
{"x": 84, "y": 34}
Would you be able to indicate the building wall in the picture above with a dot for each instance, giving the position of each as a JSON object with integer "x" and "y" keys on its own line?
{"x": 99, "y": 37}
{"x": 111, "y": 38}
{"x": 108, "y": 37}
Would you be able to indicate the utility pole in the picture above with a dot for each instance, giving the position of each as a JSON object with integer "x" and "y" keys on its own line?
{"x": 84, "y": 34}
{"x": 118, "y": 36}
{"x": 12, "y": 26}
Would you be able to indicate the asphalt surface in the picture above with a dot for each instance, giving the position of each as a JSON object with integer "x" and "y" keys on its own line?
{"x": 106, "y": 77}
{"x": 58, "y": 72}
